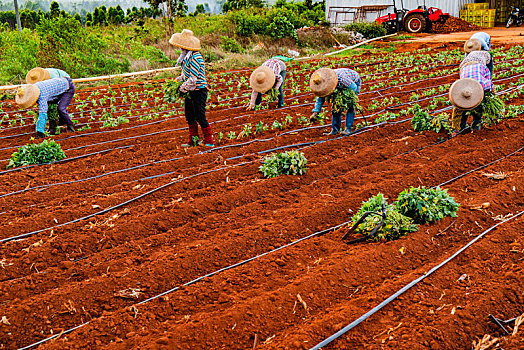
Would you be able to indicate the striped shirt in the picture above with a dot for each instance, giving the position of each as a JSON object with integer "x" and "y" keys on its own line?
{"x": 57, "y": 73}
{"x": 346, "y": 77}
{"x": 50, "y": 90}
{"x": 193, "y": 67}
{"x": 480, "y": 73}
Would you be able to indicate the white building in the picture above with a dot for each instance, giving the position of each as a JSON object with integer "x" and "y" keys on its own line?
{"x": 346, "y": 11}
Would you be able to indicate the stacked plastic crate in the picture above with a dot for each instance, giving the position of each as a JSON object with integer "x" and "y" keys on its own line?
{"x": 479, "y": 14}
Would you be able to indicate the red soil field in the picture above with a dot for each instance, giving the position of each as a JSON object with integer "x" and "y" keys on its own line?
{"x": 216, "y": 209}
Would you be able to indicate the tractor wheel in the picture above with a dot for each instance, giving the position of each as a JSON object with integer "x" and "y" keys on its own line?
{"x": 415, "y": 23}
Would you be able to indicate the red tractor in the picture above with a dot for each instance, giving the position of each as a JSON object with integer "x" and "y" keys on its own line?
{"x": 414, "y": 21}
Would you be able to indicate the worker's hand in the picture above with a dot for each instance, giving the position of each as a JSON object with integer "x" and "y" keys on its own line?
{"x": 183, "y": 88}
{"x": 179, "y": 78}
{"x": 314, "y": 117}
{"x": 250, "y": 107}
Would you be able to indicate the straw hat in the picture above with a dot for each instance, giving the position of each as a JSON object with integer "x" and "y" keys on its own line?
{"x": 185, "y": 40}
{"x": 472, "y": 45}
{"x": 37, "y": 74}
{"x": 27, "y": 95}
{"x": 466, "y": 93}
{"x": 323, "y": 82}
{"x": 262, "y": 79}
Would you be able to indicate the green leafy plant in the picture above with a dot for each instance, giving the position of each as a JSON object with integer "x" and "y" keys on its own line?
{"x": 272, "y": 95}
{"x": 172, "y": 91}
{"x": 52, "y": 111}
{"x": 287, "y": 163}
{"x": 231, "y": 45}
{"x": 36, "y": 153}
{"x": 425, "y": 205}
{"x": 343, "y": 99}
{"x": 369, "y": 30}
{"x": 395, "y": 224}
{"x": 491, "y": 108}
{"x": 423, "y": 121}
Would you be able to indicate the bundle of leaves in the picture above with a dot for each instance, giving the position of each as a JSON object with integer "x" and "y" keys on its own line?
{"x": 491, "y": 108}
{"x": 425, "y": 205}
{"x": 287, "y": 163}
{"x": 423, "y": 121}
{"x": 272, "y": 95}
{"x": 395, "y": 224}
{"x": 36, "y": 153}
{"x": 343, "y": 99}
{"x": 52, "y": 111}
{"x": 172, "y": 91}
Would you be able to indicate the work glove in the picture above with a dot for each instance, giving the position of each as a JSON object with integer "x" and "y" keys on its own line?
{"x": 40, "y": 123}
{"x": 250, "y": 107}
{"x": 314, "y": 117}
{"x": 179, "y": 78}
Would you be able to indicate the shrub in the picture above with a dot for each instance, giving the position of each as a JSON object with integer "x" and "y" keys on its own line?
{"x": 36, "y": 153}
{"x": 425, "y": 205}
{"x": 395, "y": 224}
{"x": 231, "y": 45}
{"x": 287, "y": 163}
{"x": 369, "y": 30}
{"x": 248, "y": 23}
{"x": 281, "y": 27}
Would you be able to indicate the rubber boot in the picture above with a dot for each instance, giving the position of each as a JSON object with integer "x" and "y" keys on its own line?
{"x": 193, "y": 132}
{"x": 71, "y": 127}
{"x": 52, "y": 127}
{"x": 208, "y": 137}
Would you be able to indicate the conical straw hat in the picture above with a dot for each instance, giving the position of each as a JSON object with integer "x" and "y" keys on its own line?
{"x": 323, "y": 82}
{"x": 262, "y": 79}
{"x": 472, "y": 45}
{"x": 185, "y": 40}
{"x": 466, "y": 93}
{"x": 37, "y": 74}
{"x": 27, "y": 95}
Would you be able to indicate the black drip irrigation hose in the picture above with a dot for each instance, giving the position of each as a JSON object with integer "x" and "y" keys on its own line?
{"x": 342, "y": 331}
{"x": 407, "y": 287}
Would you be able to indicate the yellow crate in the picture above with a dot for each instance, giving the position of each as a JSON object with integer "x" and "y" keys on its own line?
{"x": 484, "y": 6}
{"x": 492, "y": 13}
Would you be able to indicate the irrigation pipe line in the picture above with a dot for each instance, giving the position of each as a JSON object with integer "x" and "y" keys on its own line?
{"x": 407, "y": 287}
{"x": 318, "y": 233}
{"x": 199, "y": 279}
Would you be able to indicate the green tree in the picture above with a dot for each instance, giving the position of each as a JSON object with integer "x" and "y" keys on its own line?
{"x": 54, "y": 9}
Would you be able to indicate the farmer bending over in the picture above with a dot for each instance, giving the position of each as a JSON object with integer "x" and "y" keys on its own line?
{"x": 325, "y": 82}
{"x": 57, "y": 90}
{"x": 40, "y": 74}
{"x": 467, "y": 94}
{"x": 194, "y": 78}
{"x": 270, "y": 74}
{"x": 480, "y": 42}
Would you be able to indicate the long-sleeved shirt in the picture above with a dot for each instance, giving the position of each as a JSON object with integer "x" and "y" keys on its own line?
{"x": 485, "y": 40}
{"x": 193, "y": 71}
{"x": 57, "y": 73}
{"x": 346, "y": 77}
{"x": 278, "y": 67}
{"x": 480, "y": 73}
{"x": 50, "y": 90}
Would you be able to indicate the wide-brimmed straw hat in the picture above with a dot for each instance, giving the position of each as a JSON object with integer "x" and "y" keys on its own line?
{"x": 262, "y": 79}
{"x": 27, "y": 95}
{"x": 466, "y": 93}
{"x": 37, "y": 74}
{"x": 323, "y": 82}
{"x": 185, "y": 40}
{"x": 472, "y": 45}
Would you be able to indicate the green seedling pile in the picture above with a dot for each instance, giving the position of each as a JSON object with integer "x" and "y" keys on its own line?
{"x": 426, "y": 205}
{"x": 343, "y": 99}
{"x": 37, "y": 153}
{"x": 287, "y": 163}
